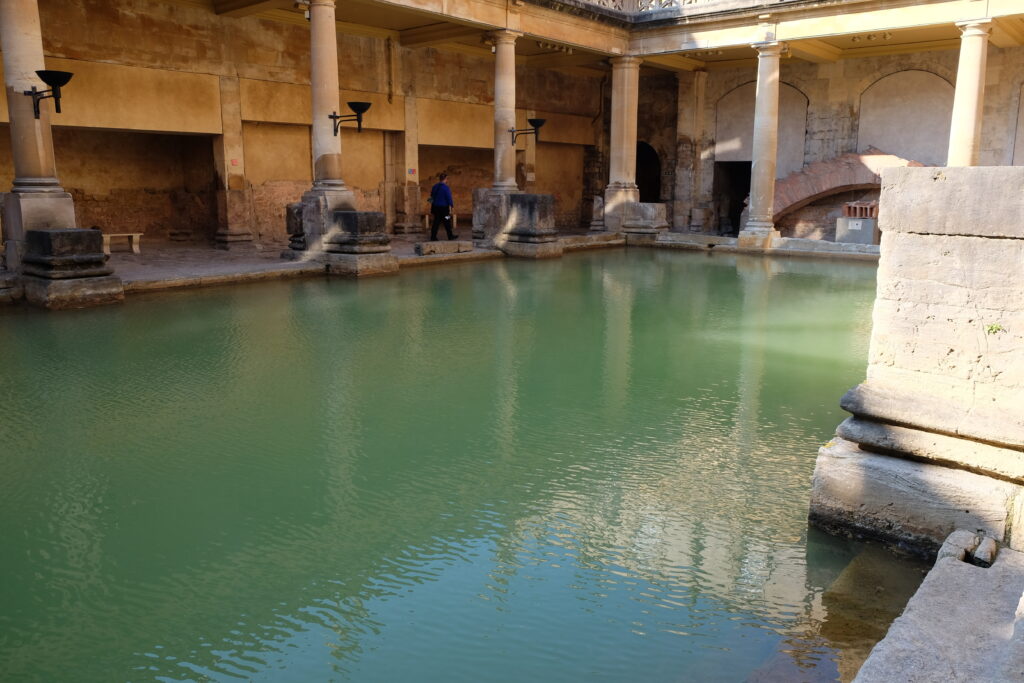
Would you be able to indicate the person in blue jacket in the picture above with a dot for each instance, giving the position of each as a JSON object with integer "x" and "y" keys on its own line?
{"x": 441, "y": 207}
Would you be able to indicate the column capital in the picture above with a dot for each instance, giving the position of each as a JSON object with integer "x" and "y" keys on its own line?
{"x": 770, "y": 48}
{"x": 505, "y": 36}
{"x": 625, "y": 62}
{"x": 974, "y": 27}
{"x": 322, "y": 3}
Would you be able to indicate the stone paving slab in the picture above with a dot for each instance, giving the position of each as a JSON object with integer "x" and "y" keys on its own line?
{"x": 965, "y": 623}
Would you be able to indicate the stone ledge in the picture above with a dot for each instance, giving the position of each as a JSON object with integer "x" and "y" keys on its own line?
{"x": 443, "y": 247}
{"x": 461, "y": 257}
{"x": 961, "y": 625}
{"x": 132, "y": 286}
{"x": 915, "y": 504}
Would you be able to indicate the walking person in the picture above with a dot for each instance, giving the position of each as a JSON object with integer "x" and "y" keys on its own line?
{"x": 441, "y": 207}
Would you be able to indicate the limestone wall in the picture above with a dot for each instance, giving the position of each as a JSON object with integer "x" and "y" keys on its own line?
{"x": 936, "y": 440}
{"x": 884, "y": 101}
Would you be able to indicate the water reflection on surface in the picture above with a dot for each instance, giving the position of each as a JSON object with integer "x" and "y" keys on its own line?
{"x": 595, "y": 468}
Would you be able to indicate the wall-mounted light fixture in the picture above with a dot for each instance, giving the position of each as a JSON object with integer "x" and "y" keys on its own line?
{"x": 56, "y": 80}
{"x": 358, "y": 107}
{"x": 534, "y": 130}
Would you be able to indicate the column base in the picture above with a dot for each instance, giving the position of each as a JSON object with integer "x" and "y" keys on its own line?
{"x": 757, "y": 236}
{"x": 235, "y": 240}
{"x": 361, "y": 265}
{"x": 24, "y": 211}
{"x": 80, "y": 292}
{"x": 616, "y": 197}
{"x": 10, "y": 287}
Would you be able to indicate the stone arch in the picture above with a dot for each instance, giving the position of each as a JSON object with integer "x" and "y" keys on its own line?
{"x": 825, "y": 178}
{"x": 734, "y": 126}
{"x": 908, "y": 113}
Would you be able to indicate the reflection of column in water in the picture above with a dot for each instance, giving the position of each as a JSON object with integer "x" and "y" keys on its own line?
{"x": 755, "y": 276}
{"x": 511, "y": 339}
{"x": 618, "y": 343}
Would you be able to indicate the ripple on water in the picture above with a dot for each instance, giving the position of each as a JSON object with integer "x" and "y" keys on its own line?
{"x": 595, "y": 469}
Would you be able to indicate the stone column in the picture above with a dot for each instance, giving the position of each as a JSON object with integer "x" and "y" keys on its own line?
{"x": 234, "y": 196}
{"x": 965, "y": 131}
{"x": 36, "y": 200}
{"x": 329, "y": 192}
{"x": 504, "y": 110}
{"x": 760, "y": 228}
{"x": 622, "y": 187}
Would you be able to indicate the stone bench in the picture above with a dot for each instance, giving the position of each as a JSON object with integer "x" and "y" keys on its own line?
{"x": 443, "y": 247}
{"x": 134, "y": 240}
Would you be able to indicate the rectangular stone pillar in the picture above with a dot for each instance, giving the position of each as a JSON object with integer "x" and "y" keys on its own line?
{"x": 409, "y": 205}
{"x": 936, "y": 441}
{"x": 234, "y": 195}
{"x": 689, "y": 135}
{"x": 622, "y": 188}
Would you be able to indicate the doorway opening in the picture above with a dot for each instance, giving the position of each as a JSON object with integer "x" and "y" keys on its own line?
{"x": 648, "y": 173}
{"x": 730, "y": 189}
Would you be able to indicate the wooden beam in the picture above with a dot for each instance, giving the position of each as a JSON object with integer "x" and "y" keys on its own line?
{"x": 436, "y": 34}
{"x": 245, "y": 8}
{"x": 1007, "y": 32}
{"x": 673, "y": 62}
{"x": 814, "y": 51}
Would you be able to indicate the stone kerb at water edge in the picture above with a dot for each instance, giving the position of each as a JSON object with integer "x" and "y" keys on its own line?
{"x": 67, "y": 269}
{"x": 356, "y": 245}
{"x": 945, "y": 379}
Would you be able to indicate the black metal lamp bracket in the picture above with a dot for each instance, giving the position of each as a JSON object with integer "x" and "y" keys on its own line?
{"x": 40, "y": 95}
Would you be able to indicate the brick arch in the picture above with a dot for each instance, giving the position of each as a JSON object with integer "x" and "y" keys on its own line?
{"x": 825, "y": 178}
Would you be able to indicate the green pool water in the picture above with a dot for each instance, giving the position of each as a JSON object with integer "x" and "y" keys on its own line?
{"x": 591, "y": 469}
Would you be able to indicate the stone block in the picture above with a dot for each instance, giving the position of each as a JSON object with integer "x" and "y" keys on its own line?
{"x": 959, "y": 545}
{"x": 10, "y": 287}
{"x": 644, "y": 217}
{"x": 980, "y": 200}
{"x": 361, "y": 265}
{"x": 293, "y": 226}
{"x": 535, "y": 250}
{"x": 857, "y": 230}
{"x": 985, "y": 554}
{"x": 751, "y": 238}
{"x": 64, "y": 254}
{"x": 79, "y": 292}
{"x": 443, "y": 247}
{"x": 490, "y": 213}
{"x": 636, "y": 238}
{"x": 905, "y": 501}
{"x": 942, "y": 449}
{"x": 531, "y": 218}
{"x": 357, "y": 232}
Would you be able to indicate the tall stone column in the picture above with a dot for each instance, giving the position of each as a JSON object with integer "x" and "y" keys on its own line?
{"x": 329, "y": 192}
{"x": 965, "y": 131}
{"x": 622, "y": 187}
{"x": 234, "y": 196}
{"x": 504, "y": 110}
{"x": 760, "y": 228}
{"x": 691, "y": 90}
{"x": 36, "y": 200}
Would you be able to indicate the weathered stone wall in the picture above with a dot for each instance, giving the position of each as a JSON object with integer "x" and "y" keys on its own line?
{"x": 817, "y": 220}
{"x": 834, "y": 92}
{"x": 938, "y": 422}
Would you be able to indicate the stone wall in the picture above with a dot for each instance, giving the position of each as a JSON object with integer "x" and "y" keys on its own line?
{"x": 834, "y": 94}
{"x": 936, "y": 441}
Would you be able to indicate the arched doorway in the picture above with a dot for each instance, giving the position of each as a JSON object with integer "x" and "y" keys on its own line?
{"x": 648, "y": 173}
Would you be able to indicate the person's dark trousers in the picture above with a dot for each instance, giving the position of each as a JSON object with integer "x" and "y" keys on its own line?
{"x": 442, "y": 214}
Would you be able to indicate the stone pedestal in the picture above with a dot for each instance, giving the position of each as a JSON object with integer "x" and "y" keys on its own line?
{"x": 531, "y": 227}
{"x": 617, "y": 196}
{"x": 234, "y": 218}
{"x": 641, "y": 222}
{"x": 936, "y": 441}
{"x": 311, "y": 219}
{"x": 356, "y": 245}
{"x": 33, "y": 211}
{"x": 597, "y": 215}
{"x": 67, "y": 269}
